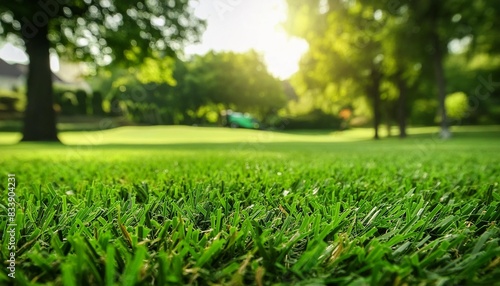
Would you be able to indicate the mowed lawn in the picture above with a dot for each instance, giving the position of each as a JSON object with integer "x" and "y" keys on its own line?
{"x": 213, "y": 206}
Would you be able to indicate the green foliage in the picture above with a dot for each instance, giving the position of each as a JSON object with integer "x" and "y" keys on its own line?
{"x": 316, "y": 119}
{"x": 12, "y": 100}
{"x": 167, "y": 91}
{"x": 292, "y": 212}
{"x": 157, "y": 71}
{"x": 98, "y": 32}
{"x": 145, "y": 93}
{"x": 239, "y": 81}
{"x": 457, "y": 105}
{"x": 346, "y": 57}
{"x": 102, "y": 31}
{"x": 402, "y": 41}
{"x": 71, "y": 102}
{"x": 424, "y": 111}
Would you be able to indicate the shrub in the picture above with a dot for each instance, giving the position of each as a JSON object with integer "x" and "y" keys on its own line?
{"x": 316, "y": 119}
{"x": 457, "y": 105}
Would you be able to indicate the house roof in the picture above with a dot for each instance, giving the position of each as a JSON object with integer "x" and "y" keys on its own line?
{"x": 17, "y": 70}
{"x": 9, "y": 70}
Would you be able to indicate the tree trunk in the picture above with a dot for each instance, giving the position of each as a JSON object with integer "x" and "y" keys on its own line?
{"x": 374, "y": 91}
{"x": 40, "y": 116}
{"x": 402, "y": 105}
{"x": 441, "y": 85}
{"x": 389, "y": 125}
{"x": 437, "y": 58}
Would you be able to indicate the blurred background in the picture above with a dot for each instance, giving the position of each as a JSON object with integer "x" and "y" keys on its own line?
{"x": 260, "y": 64}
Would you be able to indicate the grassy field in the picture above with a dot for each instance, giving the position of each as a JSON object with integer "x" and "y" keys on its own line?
{"x": 210, "y": 206}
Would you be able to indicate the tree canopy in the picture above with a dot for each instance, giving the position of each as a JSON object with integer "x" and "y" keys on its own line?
{"x": 99, "y": 31}
{"x": 387, "y": 51}
{"x": 196, "y": 90}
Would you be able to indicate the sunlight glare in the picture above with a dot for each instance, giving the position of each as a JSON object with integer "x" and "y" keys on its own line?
{"x": 243, "y": 25}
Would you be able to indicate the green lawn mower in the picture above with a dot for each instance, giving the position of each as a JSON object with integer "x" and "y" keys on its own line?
{"x": 239, "y": 120}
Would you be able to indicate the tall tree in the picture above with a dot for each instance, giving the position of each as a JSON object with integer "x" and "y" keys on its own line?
{"x": 437, "y": 27}
{"x": 401, "y": 64}
{"x": 98, "y": 30}
{"x": 236, "y": 80}
{"x": 366, "y": 32}
{"x": 345, "y": 45}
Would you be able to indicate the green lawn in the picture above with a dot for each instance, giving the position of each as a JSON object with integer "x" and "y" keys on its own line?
{"x": 213, "y": 206}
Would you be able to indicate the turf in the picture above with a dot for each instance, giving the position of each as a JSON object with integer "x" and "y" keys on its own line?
{"x": 210, "y": 206}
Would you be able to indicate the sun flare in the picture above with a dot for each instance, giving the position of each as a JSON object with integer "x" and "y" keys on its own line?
{"x": 242, "y": 25}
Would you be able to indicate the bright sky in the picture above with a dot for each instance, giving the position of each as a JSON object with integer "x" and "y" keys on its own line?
{"x": 13, "y": 54}
{"x": 240, "y": 25}
{"x": 232, "y": 25}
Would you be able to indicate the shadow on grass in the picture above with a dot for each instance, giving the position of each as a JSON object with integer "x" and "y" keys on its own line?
{"x": 423, "y": 140}
{"x": 316, "y": 149}
{"x": 309, "y": 132}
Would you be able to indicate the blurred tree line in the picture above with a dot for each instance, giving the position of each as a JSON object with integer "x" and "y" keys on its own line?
{"x": 369, "y": 62}
{"x": 397, "y": 61}
{"x": 194, "y": 91}
{"x": 99, "y": 32}
{"x": 378, "y": 62}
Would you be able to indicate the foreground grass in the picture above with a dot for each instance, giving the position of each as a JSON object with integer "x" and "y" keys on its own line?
{"x": 211, "y": 206}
